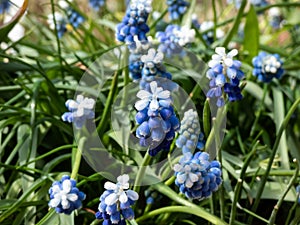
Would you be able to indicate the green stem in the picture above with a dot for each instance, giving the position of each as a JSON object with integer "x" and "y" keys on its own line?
{"x": 109, "y": 101}
{"x": 235, "y": 24}
{"x": 291, "y": 211}
{"x": 158, "y": 19}
{"x": 260, "y": 109}
{"x": 215, "y": 19}
{"x": 77, "y": 160}
{"x": 274, "y": 150}
{"x": 162, "y": 188}
{"x": 238, "y": 188}
{"x": 281, "y": 199}
{"x": 141, "y": 172}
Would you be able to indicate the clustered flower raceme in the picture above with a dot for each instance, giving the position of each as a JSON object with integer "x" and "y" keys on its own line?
{"x": 275, "y": 18}
{"x": 96, "y": 4}
{"x": 156, "y": 118}
{"x": 71, "y": 19}
{"x": 189, "y": 132}
{"x": 4, "y": 6}
{"x": 196, "y": 176}
{"x": 267, "y": 66}
{"x": 81, "y": 110}
{"x": 209, "y": 36}
{"x": 134, "y": 22}
{"x": 116, "y": 201}
{"x": 224, "y": 75}
{"x": 177, "y": 8}
{"x": 298, "y": 193}
{"x": 65, "y": 197}
{"x": 174, "y": 38}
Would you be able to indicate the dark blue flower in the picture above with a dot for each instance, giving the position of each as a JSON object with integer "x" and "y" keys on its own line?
{"x": 267, "y": 66}
{"x": 189, "y": 132}
{"x": 225, "y": 76}
{"x": 208, "y": 36}
{"x": 4, "y": 6}
{"x": 259, "y": 3}
{"x": 61, "y": 23}
{"x": 116, "y": 201}
{"x": 196, "y": 176}
{"x": 134, "y": 22}
{"x": 81, "y": 110}
{"x": 177, "y": 8}
{"x": 96, "y": 4}
{"x": 65, "y": 196}
{"x": 174, "y": 38}
{"x": 74, "y": 18}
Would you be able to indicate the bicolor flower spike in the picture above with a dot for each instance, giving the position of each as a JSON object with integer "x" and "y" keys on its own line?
{"x": 81, "y": 110}
{"x": 298, "y": 193}
{"x": 156, "y": 118}
{"x": 224, "y": 75}
{"x": 4, "y": 6}
{"x": 134, "y": 22}
{"x": 196, "y": 176}
{"x": 174, "y": 38}
{"x": 96, "y": 4}
{"x": 189, "y": 132}
{"x": 267, "y": 66}
{"x": 177, "y": 8}
{"x": 65, "y": 196}
{"x": 116, "y": 201}
{"x": 209, "y": 36}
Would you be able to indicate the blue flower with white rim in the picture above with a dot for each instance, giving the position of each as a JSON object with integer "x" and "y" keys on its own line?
{"x": 224, "y": 75}
{"x": 209, "y": 36}
{"x": 156, "y": 118}
{"x": 174, "y": 38}
{"x": 196, "y": 176}
{"x": 134, "y": 22}
{"x": 177, "y": 8}
{"x": 267, "y": 66}
{"x": 61, "y": 23}
{"x": 96, "y": 4}
{"x": 116, "y": 201}
{"x": 65, "y": 196}
{"x": 81, "y": 110}
{"x": 4, "y": 6}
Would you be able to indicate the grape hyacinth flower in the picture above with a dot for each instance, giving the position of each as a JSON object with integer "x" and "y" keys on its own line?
{"x": 189, "y": 132}
{"x": 196, "y": 176}
{"x": 96, "y": 4}
{"x": 153, "y": 69}
{"x": 224, "y": 75}
{"x": 135, "y": 64}
{"x": 298, "y": 193}
{"x": 267, "y": 66}
{"x": 61, "y": 23}
{"x": 177, "y": 8}
{"x": 134, "y": 22}
{"x": 4, "y": 6}
{"x": 209, "y": 36}
{"x": 81, "y": 110}
{"x": 156, "y": 119}
{"x": 259, "y": 3}
{"x": 174, "y": 38}
{"x": 116, "y": 201}
{"x": 195, "y": 21}
{"x": 275, "y": 18}
{"x": 65, "y": 196}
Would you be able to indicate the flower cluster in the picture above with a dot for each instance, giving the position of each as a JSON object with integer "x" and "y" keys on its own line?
{"x": 96, "y": 4}
{"x": 156, "y": 118}
{"x": 65, "y": 196}
{"x": 298, "y": 193}
{"x": 116, "y": 201}
{"x": 134, "y": 22}
{"x": 137, "y": 50}
{"x": 174, "y": 38}
{"x": 209, "y": 36}
{"x": 4, "y": 6}
{"x": 189, "y": 132}
{"x": 224, "y": 75}
{"x": 275, "y": 18}
{"x": 71, "y": 19}
{"x": 176, "y": 8}
{"x": 81, "y": 110}
{"x": 267, "y": 66}
{"x": 259, "y": 3}
{"x": 196, "y": 176}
